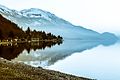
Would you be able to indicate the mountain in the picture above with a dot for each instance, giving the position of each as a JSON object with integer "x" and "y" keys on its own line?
{"x": 49, "y": 56}
{"x": 42, "y": 20}
{"x": 6, "y": 27}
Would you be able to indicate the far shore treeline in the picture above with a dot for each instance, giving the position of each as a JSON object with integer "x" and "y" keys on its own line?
{"x": 9, "y": 31}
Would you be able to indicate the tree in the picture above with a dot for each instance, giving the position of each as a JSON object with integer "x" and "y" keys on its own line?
{"x": 49, "y": 36}
{"x": 43, "y": 35}
{"x": 28, "y": 31}
{"x": 11, "y": 34}
{"x": 59, "y": 37}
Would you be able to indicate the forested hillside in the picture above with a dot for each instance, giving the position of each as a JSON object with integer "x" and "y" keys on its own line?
{"x": 9, "y": 29}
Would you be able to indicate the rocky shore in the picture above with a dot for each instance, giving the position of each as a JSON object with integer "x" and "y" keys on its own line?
{"x": 20, "y": 71}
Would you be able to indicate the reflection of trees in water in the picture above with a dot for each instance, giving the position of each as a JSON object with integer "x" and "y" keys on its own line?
{"x": 10, "y": 52}
{"x": 41, "y": 45}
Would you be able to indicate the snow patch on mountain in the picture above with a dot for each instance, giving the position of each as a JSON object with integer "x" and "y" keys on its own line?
{"x": 35, "y": 13}
{"x": 45, "y": 21}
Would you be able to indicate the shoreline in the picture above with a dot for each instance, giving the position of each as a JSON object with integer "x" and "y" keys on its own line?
{"x": 8, "y": 42}
{"x": 21, "y": 71}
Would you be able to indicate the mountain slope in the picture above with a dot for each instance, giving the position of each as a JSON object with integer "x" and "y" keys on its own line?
{"x": 7, "y": 26}
{"x": 45, "y": 21}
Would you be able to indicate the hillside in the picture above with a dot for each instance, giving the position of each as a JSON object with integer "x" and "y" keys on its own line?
{"x": 10, "y": 30}
{"x": 45, "y": 21}
{"x": 7, "y": 28}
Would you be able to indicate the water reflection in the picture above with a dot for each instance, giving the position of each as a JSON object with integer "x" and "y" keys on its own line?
{"x": 36, "y": 56}
{"x": 12, "y": 51}
{"x": 100, "y": 63}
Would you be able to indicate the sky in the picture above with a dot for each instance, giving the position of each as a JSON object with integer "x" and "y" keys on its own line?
{"x": 98, "y": 15}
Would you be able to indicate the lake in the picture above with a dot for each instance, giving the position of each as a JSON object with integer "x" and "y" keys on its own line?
{"x": 93, "y": 59}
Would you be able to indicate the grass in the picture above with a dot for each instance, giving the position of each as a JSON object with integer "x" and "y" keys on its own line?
{"x": 20, "y": 71}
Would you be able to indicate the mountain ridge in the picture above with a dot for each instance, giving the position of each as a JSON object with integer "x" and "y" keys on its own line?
{"x": 46, "y": 21}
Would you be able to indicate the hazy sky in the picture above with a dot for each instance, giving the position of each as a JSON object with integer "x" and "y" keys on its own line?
{"x": 99, "y": 15}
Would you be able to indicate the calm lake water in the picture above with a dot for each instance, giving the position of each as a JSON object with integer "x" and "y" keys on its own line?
{"x": 93, "y": 59}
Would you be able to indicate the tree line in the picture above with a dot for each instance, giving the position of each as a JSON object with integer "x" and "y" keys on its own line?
{"x": 29, "y": 34}
{"x": 11, "y": 31}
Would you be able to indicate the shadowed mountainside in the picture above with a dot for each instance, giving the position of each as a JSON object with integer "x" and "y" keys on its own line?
{"x": 6, "y": 27}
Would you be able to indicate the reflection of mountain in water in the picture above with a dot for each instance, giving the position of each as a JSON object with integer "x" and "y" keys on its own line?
{"x": 49, "y": 56}
{"x": 11, "y": 51}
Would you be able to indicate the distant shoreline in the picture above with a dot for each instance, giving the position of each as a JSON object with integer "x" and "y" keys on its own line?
{"x": 21, "y": 71}
{"x": 8, "y": 42}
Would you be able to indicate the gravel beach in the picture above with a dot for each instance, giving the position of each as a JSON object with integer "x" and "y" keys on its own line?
{"x": 21, "y": 71}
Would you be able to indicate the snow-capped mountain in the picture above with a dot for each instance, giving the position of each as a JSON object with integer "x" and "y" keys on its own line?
{"x": 46, "y": 21}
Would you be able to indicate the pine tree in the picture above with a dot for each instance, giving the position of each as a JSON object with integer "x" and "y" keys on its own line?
{"x": 28, "y": 33}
